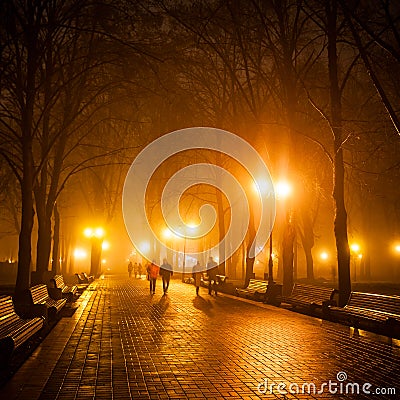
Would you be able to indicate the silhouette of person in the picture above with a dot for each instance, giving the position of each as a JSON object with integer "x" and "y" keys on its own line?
{"x": 153, "y": 271}
{"x": 166, "y": 273}
{"x": 212, "y": 269}
{"x": 196, "y": 273}
{"x": 130, "y": 268}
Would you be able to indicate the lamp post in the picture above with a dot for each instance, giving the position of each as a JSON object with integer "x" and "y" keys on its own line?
{"x": 355, "y": 250}
{"x": 191, "y": 226}
{"x": 283, "y": 190}
{"x": 96, "y": 236}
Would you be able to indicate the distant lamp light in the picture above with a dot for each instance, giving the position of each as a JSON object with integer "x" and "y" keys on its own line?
{"x": 167, "y": 233}
{"x": 105, "y": 245}
{"x": 283, "y": 189}
{"x": 99, "y": 232}
{"x": 397, "y": 248}
{"x": 88, "y": 232}
{"x": 324, "y": 255}
{"x": 360, "y": 256}
{"x": 355, "y": 247}
{"x": 80, "y": 254}
{"x": 104, "y": 261}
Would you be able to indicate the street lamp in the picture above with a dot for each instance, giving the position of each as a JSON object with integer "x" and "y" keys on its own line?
{"x": 96, "y": 236}
{"x": 355, "y": 250}
{"x": 283, "y": 190}
{"x": 191, "y": 226}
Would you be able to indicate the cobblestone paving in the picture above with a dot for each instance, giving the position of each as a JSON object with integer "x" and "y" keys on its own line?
{"x": 124, "y": 343}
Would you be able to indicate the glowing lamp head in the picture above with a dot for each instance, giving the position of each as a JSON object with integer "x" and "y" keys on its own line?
{"x": 397, "y": 248}
{"x": 88, "y": 232}
{"x": 80, "y": 254}
{"x": 355, "y": 247}
{"x": 99, "y": 232}
{"x": 324, "y": 255}
{"x": 167, "y": 233}
{"x": 283, "y": 189}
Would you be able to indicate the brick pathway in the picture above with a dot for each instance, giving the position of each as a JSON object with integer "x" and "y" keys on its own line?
{"x": 123, "y": 343}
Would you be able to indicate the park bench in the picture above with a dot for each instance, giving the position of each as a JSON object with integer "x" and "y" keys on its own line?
{"x": 204, "y": 280}
{"x": 14, "y": 331}
{"x": 61, "y": 290}
{"x": 221, "y": 279}
{"x": 87, "y": 278}
{"x": 310, "y": 297}
{"x": 256, "y": 290}
{"x": 41, "y": 304}
{"x": 383, "y": 311}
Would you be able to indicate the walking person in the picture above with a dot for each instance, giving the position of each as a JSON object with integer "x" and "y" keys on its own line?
{"x": 153, "y": 271}
{"x": 196, "y": 274}
{"x": 130, "y": 268}
{"x": 140, "y": 270}
{"x": 212, "y": 270}
{"x": 166, "y": 273}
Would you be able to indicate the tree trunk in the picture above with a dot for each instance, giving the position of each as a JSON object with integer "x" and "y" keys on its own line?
{"x": 250, "y": 250}
{"x": 55, "y": 265}
{"x": 288, "y": 257}
{"x": 28, "y": 169}
{"x": 307, "y": 241}
{"x": 95, "y": 257}
{"x": 221, "y": 233}
{"x": 25, "y": 246}
{"x": 340, "y": 222}
{"x": 43, "y": 247}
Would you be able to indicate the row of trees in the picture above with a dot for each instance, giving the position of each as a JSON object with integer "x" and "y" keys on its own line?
{"x": 305, "y": 81}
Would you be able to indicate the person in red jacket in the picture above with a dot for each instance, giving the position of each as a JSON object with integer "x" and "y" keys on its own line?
{"x": 153, "y": 271}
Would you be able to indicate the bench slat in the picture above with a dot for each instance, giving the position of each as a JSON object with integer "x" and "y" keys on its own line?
{"x": 14, "y": 330}
{"x": 309, "y": 296}
{"x": 370, "y": 307}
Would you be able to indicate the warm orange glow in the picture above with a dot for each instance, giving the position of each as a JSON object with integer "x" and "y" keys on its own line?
{"x": 397, "y": 248}
{"x": 80, "y": 254}
{"x": 283, "y": 189}
{"x": 88, "y": 232}
{"x": 360, "y": 256}
{"x": 97, "y": 232}
{"x": 105, "y": 245}
{"x": 355, "y": 247}
{"x": 167, "y": 233}
{"x": 103, "y": 261}
{"x": 324, "y": 255}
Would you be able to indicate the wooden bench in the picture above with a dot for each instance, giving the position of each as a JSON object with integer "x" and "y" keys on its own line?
{"x": 204, "y": 280}
{"x": 221, "y": 279}
{"x": 370, "y": 308}
{"x": 41, "y": 304}
{"x": 60, "y": 290}
{"x": 14, "y": 330}
{"x": 256, "y": 290}
{"x": 87, "y": 278}
{"x": 311, "y": 297}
